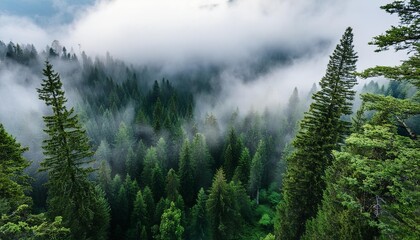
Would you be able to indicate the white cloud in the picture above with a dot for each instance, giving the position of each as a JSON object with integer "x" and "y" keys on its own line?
{"x": 183, "y": 32}
{"x": 21, "y": 30}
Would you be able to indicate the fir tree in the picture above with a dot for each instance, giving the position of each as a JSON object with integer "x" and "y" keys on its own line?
{"x": 199, "y": 221}
{"x": 172, "y": 185}
{"x": 255, "y": 176}
{"x": 186, "y": 174}
{"x": 321, "y": 132}
{"x": 242, "y": 171}
{"x": 222, "y": 208}
{"x": 201, "y": 161}
{"x": 158, "y": 182}
{"x": 372, "y": 187}
{"x": 68, "y": 155}
{"x": 231, "y": 154}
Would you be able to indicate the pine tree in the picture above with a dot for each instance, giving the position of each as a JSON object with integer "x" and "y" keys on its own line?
{"x": 321, "y": 132}
{"x": 68, "y": 154}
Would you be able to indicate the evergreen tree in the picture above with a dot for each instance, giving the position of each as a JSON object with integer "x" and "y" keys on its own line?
{"x": 123, "y": 142}
{"x": 222, "y": 209}
{"x": 16, "y": 221}
{"x": 158, "y": 182}
{"x": 293, "y": 112}
{"x": 255, "y": 176}
{"x": 199, "y": 228}
{"x": 186, "y": 174}
{"x": 13, "y": 181}
{"x": 102, "y": 215}
{"x": 139, "y": 214}
{"x": 22, "y": 225}
{"x": 150, "y": 160}
{"x": 139, "y": 218}
{"x": 201, "y": 161}
{"x": 403, "y": 37}
{"x": 151, "y": 207}
{"x": 158, "y": 116}
{"x": 372, "y": 190}
{"x": 242, "y": 171}
{"x": 231, "y": 154}
{"x": 170, "y": 225}
{"x": 172, "y": 185}
{"x": 68, "y": 154}
{"x": 161, "y": 154}
{"x": 321, "y": 132}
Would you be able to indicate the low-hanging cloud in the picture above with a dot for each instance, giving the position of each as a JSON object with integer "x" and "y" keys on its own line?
{"x": 177, "y": 31}
{"x": 182, "y": 32}
{"x": 178, "y": 34}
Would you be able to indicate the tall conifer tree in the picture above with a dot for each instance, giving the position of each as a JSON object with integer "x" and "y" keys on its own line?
{"x": 321, "y": 131}
{"x": 372, "y": 186}
{"x": 68, "y": 154}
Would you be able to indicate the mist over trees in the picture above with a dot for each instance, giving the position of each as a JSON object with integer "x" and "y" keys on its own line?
{"x": 121, "y": 151}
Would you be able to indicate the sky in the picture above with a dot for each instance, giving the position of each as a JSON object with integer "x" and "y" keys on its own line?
{"x": 236, "y": 34}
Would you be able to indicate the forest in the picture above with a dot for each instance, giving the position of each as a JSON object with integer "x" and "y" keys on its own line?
{"x": 124, "y": 151}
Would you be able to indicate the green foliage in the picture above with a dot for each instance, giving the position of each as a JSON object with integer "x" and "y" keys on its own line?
{"x": 199, "y": 228}
{"x": 269, "y": 237}
{"x": 321, "y": 131}
{"x": 256, "y": 171}
{"x": 172, "y": 185}
{"x": 406, "y": 35}
{"x": 150, "y": 161}
{"x": 158, "y": 182}
{"x": 68, "y": 153}
{"x": 222, "y": 209}
{"x": 139, "y": 219}
{"x": 232, "y": 153}
{"x": 201, "y": 161}
{"x": 102, "y": 216}
{"x": 20, "y": 224}
{"x": 243, "y": 169}
{"x": 186, "y": 174}
{"x": 170, "y": 226}
{"x": 375, "y": 174}
{"x": 385, "y": 164}
{"x": 150, "y": 203}
{"x": 13, "y": 181}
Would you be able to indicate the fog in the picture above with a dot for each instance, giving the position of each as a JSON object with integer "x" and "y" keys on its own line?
{"x": 178, "y": 35}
